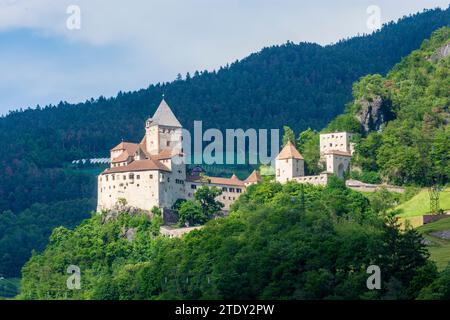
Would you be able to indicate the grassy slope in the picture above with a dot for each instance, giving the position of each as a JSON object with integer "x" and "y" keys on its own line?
{"x": 420, "y": 204}
{"x": 440, "y": 249}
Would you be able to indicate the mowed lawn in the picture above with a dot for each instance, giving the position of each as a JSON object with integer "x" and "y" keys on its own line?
{"x": 419, "y": 205}
{"x": 440, "y": 248}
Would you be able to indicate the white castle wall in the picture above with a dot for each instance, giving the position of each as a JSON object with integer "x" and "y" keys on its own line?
{"x": 339, "y": 141}
{"x": 140, "y": 189}
{"x": 287, "y": 169}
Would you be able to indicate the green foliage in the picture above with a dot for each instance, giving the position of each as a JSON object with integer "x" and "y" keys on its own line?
{"x": 29, "y": 230}
{"x": 206, "y": 197}
{"x": 411, "y": 149}
{"x": 202, "y": 208}
{"x": 439, "y": 288}
{"x": 288, "y": 241}
{"x": 366, "y": 152}
{"x": 300, "y": 85}
{"x": 97, "y": 248}
{"x": 191, "y": 213}
{"x": 344, "y": 122}
{"x": 288, "y": 136}
{"x": 308, "y": 143}
{"x": 372, "y": 177}
{"x": 382, "y": 200}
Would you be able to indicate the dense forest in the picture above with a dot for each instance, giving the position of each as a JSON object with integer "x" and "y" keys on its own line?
{"x": 288, "y": 241}
{"x": 402, "y": 120}
{"x": 300, "y": 85}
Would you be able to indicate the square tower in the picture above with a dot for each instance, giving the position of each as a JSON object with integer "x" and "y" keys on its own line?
{"x": 289, "y": 164}
{"x": 163, "y": 132}
{"x": 337, "y": 141}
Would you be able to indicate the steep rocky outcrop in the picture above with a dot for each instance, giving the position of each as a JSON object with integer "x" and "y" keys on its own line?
{"x": 374, "y": 113}
{"x": 441, "y": 53}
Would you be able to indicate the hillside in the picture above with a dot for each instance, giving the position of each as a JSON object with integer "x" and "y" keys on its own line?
{"x": 402, "y": 120}
{"x": 302, "y": 85}
{"x": 420, "y": 204}
{"x": 280, "y": 242}
{"x": 439, "y": 246}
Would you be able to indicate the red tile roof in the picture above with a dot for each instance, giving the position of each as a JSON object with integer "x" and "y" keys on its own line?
{"x": 233, "y": 181}
{"x": 121, "y": 158}
{"x": 130, "y": 147}
{"x": 253, "y": 177}
{"x": 289, "y": 152}
{"x": 139, "y": 165}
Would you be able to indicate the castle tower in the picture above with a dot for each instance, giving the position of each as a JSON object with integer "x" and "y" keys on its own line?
{"x": 289, "y": 164}
{"x": 336, "y": 141}
{"x": 163, "y": 132}
{"x": 336, "y": 151}
{"x": 338, "y": 162}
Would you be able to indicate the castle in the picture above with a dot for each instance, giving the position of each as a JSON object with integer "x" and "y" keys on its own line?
{"x": 152, "y": 173}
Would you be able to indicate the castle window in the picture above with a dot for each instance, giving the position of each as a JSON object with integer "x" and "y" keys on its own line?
{"x": 113, "y": 177}
{"x": 224, "y": 189}
{"x": 131, "y": 176}
{"x": 106, "y": 178}
{"x": 231, "y": 189}
{"x": 238, "y": 190}
{"x": 138, "y": 177}
{"x": 124, "y": 177}
{"x": 278, "y": 172}
{"x": 168, "y": 143}
{"x": 193, "y": 186}
{"x": 151, "y": 176}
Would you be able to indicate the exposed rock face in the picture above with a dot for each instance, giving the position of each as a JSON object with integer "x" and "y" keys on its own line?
{"x": 373, "y": 114}
{"x": 441, "y": 53}
{"x": 114, "y": 212}
{"x": 129, "y": 233}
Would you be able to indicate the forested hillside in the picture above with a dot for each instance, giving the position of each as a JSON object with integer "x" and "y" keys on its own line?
{"x": 404, "y": 118}
{"x": 301, "y": 85}
{"x": 280, "y": 242}
{"x": 401, "y": 121}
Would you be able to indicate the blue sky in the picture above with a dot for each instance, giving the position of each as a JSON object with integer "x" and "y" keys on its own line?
{"x": 127, "y": 45}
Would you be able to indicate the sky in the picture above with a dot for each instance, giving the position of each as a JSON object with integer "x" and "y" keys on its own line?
{"x": 72, "y": 50}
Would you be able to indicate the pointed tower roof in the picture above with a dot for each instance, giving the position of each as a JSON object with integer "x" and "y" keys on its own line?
{"x": 289, "y": 152}
{"x": 254, "y": 177}
{"x": 164, "y": 116}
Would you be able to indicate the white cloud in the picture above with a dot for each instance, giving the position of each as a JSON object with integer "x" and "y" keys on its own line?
{"x": 157, "y": 39}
